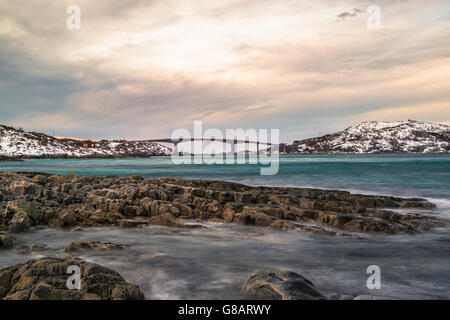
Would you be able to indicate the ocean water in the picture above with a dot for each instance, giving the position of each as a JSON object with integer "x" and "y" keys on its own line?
{"x": 406, "y": 175}
{"x": 168, "y": 263}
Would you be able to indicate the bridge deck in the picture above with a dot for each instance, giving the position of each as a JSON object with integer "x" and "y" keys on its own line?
{"x": 176, "y": 141}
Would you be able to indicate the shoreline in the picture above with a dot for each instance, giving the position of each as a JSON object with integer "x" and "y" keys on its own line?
{"x": 133, "y": 201}
{"x": 131, "y": 156}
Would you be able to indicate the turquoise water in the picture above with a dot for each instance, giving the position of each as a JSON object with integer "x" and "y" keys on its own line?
{"x": 404, "y": 175}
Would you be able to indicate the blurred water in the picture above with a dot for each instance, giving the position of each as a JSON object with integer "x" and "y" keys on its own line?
{"x": 213, "y": 263}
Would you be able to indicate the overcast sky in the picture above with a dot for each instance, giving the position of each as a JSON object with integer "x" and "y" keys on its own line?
{"x": 139, "y": 69}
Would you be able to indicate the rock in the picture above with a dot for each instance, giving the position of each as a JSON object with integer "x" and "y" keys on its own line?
{"x": 45, "y": 279}
{"x": 91, "y": 245}
{"x": 6, "y": 241}
{"x": 333, "y": 296}
{"x": 136, "y": 177}
{"x": 338, "y": 296}
{"x": 67, "y": 217}
{"x": 280, "y": 285}
{"x": 23, "y": 188}
{"x": 33, "y": 248}
{"x": 130, "y": 223}
{"x": 112, "y": 201}
{"x": 24, "y": 215}
{"x": 364, "y": 297}
{"x": 40, "y": 179}
{"x": 168, "y": 220}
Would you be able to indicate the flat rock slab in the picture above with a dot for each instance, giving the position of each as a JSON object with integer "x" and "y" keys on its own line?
{"x": 57, "y": 201}
{"x": 93, "y": 245}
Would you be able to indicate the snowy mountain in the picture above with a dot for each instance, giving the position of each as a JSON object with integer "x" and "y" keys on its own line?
{"x": 382, "y": 137}
{"x": 17, "y": 143}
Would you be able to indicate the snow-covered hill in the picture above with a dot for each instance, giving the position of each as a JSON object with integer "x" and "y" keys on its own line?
{"x": 15, "y": 142}
{"x": 382, "y": 137}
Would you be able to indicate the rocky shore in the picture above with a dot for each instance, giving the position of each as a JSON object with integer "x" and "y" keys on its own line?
{"x": 30, "y": 199}
{"x": 9, "y": 159}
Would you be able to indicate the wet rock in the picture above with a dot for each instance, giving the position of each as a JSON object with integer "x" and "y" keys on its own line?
{"x": 24, "y": 214}
{"x": 168, "y": 220}
{"x": 112, "y": 201}
{"x": 33, "y": 248}
{"x": 280, "y": 285}
{"x": 45, "y": 279}
{"x": 6, "y": 241}
{"x": 67, "y": 217}
{"x": 93, "y": 245}
{"x": 131, "y": 223}
{"x": 365, "y": 297}
{"x": 339, "y": 296}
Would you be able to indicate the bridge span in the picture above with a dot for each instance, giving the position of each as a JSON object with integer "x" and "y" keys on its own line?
{"x": 235, "y": 141}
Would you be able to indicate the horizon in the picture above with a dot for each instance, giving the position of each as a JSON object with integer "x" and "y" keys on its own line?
{"x": 140, "y": 69}
{"x": 94, "y": 139}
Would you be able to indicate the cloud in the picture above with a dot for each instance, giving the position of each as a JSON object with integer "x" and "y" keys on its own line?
{"x": 346, "y": 14}
{"x": 139, "y": 69}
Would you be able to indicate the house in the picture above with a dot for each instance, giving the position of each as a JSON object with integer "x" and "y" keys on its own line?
{"x": 85, "y": 144}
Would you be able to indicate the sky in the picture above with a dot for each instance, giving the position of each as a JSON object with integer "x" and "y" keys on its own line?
{"x": 139, "y": 69}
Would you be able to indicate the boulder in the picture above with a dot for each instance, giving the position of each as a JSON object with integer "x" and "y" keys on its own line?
{"x": 68, "y": 217}
{"x": 280, "y": 285}
{"x": 6, "y": 241}
{"x": 24, "y": 214}
{"x": 45, "y": 279}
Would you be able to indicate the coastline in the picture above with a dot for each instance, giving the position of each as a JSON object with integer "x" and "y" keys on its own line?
{"x": 83, "y": 214}
{"x": 118, "y": 201}
{"x": 4, "y": 158}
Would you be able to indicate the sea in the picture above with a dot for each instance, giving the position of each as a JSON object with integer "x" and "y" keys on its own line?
{"x": 213, "y": 263}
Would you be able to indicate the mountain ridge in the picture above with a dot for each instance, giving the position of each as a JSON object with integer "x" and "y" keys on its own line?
{"x": 381, "y": 137}
{"x": 19, "y": 143}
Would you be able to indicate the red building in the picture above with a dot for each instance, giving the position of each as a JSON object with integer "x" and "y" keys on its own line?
{"x": 85, "y": 144}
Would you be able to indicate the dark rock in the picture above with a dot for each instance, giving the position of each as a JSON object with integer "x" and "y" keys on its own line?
{"x": 45, "y": 279}
{"x": 280, "y": 285}
{"x": 6, "y": 241}
{"x": 33, "y": 248}
{"x": 91, "y": 245}
{"x": 24, "y": 215}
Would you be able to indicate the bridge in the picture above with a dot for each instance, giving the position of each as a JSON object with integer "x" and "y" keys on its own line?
{"x": 233, "y": 142}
